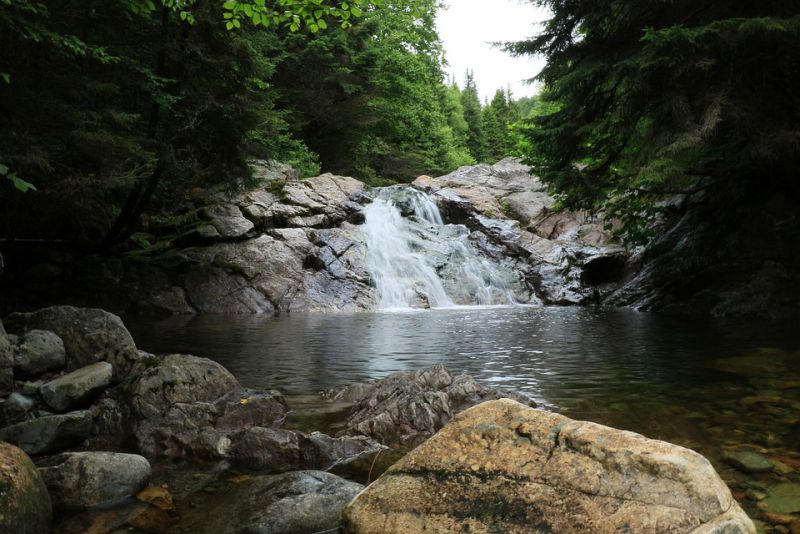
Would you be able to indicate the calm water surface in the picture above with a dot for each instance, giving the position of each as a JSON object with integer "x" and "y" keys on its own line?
{"x": 698, "y": 382}
{"x": 716, "y": 386}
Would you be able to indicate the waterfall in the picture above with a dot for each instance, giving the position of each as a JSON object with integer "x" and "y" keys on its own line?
{"x": 417, "y": 261}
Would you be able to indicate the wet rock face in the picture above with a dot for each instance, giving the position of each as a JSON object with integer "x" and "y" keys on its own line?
{"x": 25, "y": 506}
{"x": 721, "y": 256}
{"x": 567, "y": 258}
{"x": 79, "y": 480}
{"x": 279, "y": 450}
{"x": 301, "y": 502}
{"x": 404, "y": 409}
{"x": 504, "y": 467}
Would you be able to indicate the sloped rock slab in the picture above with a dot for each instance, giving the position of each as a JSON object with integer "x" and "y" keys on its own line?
{"x": 76, "y": 387}
{"x": 404, "y": 409}
{"x": 48, "y": 434}
{"x": 504, "y": 467}
{"x": 278, "y": 450}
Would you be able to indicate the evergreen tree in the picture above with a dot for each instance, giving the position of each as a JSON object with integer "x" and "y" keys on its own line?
{"x": 470, "y": 101}
{"x": 650, "y": 98}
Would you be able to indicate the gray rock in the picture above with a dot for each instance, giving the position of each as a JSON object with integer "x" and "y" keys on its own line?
{"x": 187, "y": 406}
{"x": 228, "y": 220}
{"x": 76, "y": 387}
{"x": 24, "y": 502}
{"x": 79, "y": 480}
{"x": 404, "y": 409}
{"x": 279, "y": 450}
{"x": 301, "y": 502}
{"x": 50, "y": 433}
{"x": 14, "y": 409}
{"x": 90, "y": 335}
{"x": 37, "y": 352}
{"x": 6, "y": 364}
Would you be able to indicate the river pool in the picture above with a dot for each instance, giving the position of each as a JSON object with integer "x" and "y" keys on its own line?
{"x": 709, "y": 384}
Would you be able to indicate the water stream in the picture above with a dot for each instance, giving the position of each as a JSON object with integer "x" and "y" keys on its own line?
{"x": 417, "y": 261}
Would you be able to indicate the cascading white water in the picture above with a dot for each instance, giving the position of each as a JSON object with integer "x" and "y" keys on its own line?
{"x": 409, "y": 257}
{"x": 402, "y": 274}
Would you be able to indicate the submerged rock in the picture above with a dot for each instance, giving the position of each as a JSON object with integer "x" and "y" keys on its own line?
{"x": 503, "y": 467}
{"x": 783, "y": 498}
{"x": 24, "y": 502}
{"x": 301, "y": 502}
{"x": 84, "y": 479}
{"x": 748, "y": 461}
{"x": 404, "y": 409}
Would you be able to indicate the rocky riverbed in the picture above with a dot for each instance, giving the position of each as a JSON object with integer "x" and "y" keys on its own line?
{"x": 173, "y": 443}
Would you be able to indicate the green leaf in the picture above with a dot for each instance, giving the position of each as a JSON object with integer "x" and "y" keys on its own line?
{"x": 21, "y": 184}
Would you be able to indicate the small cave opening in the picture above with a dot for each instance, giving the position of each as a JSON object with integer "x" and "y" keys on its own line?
{"x": 603, "y": 270}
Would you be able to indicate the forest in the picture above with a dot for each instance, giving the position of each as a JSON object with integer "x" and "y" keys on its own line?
{"x": 274, "y": 266}
{"x": 125, "y": 106}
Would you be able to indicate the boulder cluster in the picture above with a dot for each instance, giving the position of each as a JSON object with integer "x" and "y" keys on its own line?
{"x": 76, "y": 392}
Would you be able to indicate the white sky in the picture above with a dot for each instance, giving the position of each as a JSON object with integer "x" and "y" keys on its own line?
{"x": 468, "y": 27}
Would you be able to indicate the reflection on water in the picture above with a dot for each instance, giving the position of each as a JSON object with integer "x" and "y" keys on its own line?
{"x": 561, "y": 355}
{"x": 712, "y": 385}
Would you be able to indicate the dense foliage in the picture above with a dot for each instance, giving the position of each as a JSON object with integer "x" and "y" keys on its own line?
{"x": 113, "y": 108}
{"x": 651, "y": 98}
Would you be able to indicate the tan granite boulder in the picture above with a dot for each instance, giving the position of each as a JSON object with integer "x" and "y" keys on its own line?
{"x": 504, "y": 467}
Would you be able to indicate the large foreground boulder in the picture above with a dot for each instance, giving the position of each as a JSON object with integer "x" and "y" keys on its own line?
{"x": 292, "y": 503}
{"x": 504, "y": 467}
{"x": 24, "y": 502}
{"x": 406, "y": 408}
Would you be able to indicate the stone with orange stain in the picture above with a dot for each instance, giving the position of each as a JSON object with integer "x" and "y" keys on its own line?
{"x": 158, "y": 496}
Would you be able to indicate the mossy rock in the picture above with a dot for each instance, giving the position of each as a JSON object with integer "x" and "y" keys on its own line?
{"x": 25, "y": 506}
